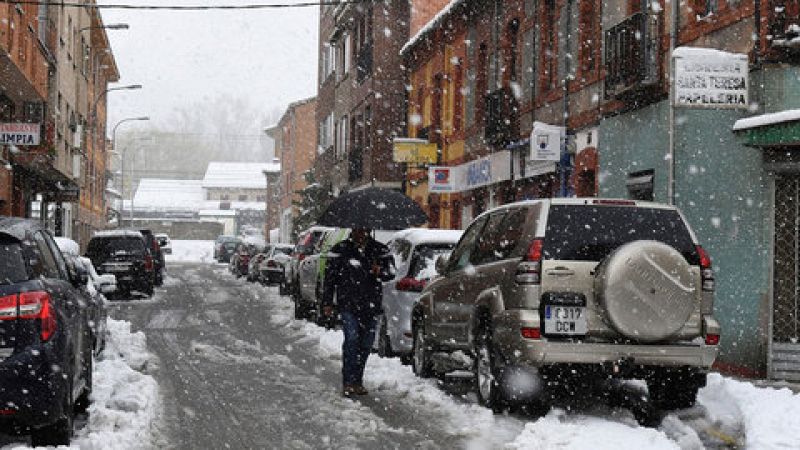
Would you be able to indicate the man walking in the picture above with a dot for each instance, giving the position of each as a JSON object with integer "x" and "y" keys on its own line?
{"x": 356, "y": 268}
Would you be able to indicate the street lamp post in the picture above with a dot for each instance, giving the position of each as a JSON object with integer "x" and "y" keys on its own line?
{"x": 122, "y": 161}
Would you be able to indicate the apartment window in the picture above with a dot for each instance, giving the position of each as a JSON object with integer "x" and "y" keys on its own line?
{"x": 481, "y": 83}
{"x": 341, "y": 141}
{"x": 527, "y": 79}
{"x": 348, "y": 52}
{"x": 224, "y": 197}
{"x": 326, "y": 130}
{"x": 242, "y": 198}
{"x": 589, "y": 37}
{"x": 511, "y": 72}
{"x": 6, "y": 109}
{"x": 328, "y": 60}
{"x": 368, "y": 127}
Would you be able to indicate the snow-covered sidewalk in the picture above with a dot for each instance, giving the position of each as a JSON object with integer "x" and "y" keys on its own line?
{"x": 769, "y": 418}
{"x": 126, "y": 405}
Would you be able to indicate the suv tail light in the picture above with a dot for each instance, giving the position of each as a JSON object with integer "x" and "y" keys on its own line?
{"x": 409, "y": 284}
{"x": 301, "y": 256}
{"x": 148, "y": 263}
{"x": 529, "y": 270}
{"x": 712, "y": 339}
{"x": 531, "y": 333}
{"x": 706, "y": 271}
{"x": 33, "y": 305}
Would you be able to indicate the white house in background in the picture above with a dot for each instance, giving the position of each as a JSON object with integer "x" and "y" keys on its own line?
{"x": 168, "y": 198}
{"x": 239, "y": 187}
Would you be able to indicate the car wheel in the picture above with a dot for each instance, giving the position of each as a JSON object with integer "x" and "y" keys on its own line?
{"x": 283, "y": 288}
{"x": 300, "y": 313}
{"x": 420, "y": 361}
{"x": 149, "y": 290}
{"x": 384, "y": 344}
{"x": 485, "y": 372}
{"x": 60, "y": 432}
{"x": 159, "y": 279}
{"x": 83, "y": 401}
{"x": 675, "y": 389}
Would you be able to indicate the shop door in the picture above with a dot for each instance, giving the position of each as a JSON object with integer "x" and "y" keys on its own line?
{"x": 785, "y": 345}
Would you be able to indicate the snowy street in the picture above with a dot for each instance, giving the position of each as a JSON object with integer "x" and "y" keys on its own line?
{"x": 235, "y": 370}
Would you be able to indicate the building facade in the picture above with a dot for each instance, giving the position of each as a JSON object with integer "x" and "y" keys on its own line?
{"x": 360, "y": 92}
{"x": 56, "y": 66}
{"x": 296, "y": 148}
{"x": 482, "y": 74}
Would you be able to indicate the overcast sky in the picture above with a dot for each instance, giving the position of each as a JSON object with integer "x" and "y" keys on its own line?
{"x": 267, "y": 57}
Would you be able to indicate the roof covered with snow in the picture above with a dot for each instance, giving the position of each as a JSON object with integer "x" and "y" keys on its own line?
{"x": 162, "y": 194}
{"x": 431, "y": 25}
{"x": 248, "y": 175}
{"x": 68, "y": 246}
{"x": 790, "y": 115}
{"x": 426, "y": 236}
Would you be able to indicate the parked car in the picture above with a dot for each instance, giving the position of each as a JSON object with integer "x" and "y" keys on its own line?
{"x": 124, "y": 254}
{"x": 415, "y": 252}
{"x": 240, "y": 260}
{"x": 164, "y": 243}
{"x": 569, "y": 292}
{"x": 307, "y": 243}
{"x": 272, "y": 267}
{"x": 224, "y": 248}
{"x": 45, "y": 330}
{"x": 254, "y": 266}
{"x": 96, "y": 288}
{"x": 158, "y": 256}
{"x": 310, "y": 276}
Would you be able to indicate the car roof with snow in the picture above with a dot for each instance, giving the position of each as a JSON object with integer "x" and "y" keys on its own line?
{"x": 117, "y": 234}
{"x": 419, "y": 236}
{"x": 17, "y": 227}
{"x": 68, "y": 246}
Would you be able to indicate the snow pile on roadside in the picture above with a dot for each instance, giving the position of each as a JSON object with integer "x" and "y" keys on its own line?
{"x": 558, "y": 430}
{"x": 126, "y": 405}
{"x": 191, "y": 251}
{"x": 771, "y": 417}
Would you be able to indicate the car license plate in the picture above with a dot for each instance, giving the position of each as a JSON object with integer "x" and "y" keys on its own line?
{"x": 565, "y": 320}
{"x": 118, "y": 268}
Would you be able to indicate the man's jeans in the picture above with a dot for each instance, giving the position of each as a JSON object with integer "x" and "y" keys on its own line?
{"x": 359, "y": 334}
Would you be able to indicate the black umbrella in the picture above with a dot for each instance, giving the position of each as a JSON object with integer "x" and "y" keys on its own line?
{"x": 374, "y": 208}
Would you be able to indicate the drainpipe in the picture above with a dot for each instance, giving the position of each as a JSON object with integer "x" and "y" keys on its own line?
{"x": 564, "y": 162}
{"x": 673, "y": 42}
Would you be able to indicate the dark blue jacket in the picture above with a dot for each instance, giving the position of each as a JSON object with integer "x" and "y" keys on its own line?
{"x": 349, "y": 278}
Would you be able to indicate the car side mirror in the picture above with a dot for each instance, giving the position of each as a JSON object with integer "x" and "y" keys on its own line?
{"x": 441, "y": 265}
{"x": 80, "y": 276}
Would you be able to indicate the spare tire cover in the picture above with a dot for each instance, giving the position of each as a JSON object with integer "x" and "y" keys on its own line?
{"x": 647, "y": 290}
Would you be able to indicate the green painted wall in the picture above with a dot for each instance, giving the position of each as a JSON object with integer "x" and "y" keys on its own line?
{"x": 722, "y": 190}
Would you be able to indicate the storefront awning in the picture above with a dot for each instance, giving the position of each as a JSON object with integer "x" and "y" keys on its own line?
{"x": 770, "y": 130}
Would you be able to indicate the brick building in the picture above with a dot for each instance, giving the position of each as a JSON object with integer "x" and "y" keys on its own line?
{"x": 360, "y": 94}
{"x": 296, "y": 148}
{"x": 602, "y": 72}
{"x": 56, "y": 66}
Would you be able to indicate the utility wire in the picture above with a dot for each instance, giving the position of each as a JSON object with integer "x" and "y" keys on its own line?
{"x": 185, "y": 7}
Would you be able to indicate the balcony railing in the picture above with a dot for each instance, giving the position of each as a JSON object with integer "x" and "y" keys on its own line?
{"x": 632, "y": 54}
{"x": 784, "y": 24}
{"x": 502, "y": 117}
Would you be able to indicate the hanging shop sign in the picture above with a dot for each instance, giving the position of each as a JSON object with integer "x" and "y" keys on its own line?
{"x": 414, "y": 151}
{"x": 709, "y": 78}
{"x": 485, "y": 171}
{"x": 20, "y": 134}
{"x": 546, "y": 142}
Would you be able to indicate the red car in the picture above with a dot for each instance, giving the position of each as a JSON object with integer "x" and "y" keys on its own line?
{"x": 240, "y": 260}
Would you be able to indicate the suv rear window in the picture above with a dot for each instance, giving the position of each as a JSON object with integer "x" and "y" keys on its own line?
{"x": 12, "y": 264}
{"x": 590, "y": 233}
{"x": 102, "y": 247}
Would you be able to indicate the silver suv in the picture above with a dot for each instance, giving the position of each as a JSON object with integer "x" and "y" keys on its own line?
{"x": 543, "y": 294}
